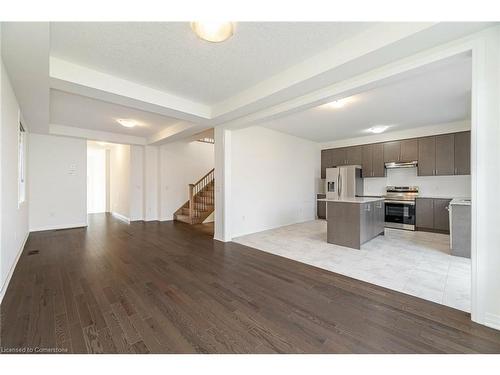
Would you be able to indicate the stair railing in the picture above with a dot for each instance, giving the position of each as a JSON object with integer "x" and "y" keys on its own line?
{"x": 198, "y": 195}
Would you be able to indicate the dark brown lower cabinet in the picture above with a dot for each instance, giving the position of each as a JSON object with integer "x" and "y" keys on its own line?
{"x": 431, "y": 215}
{"x": 441, "y": 215}
{"x": 321, "y": 207}
{"x": 424, "y": 213}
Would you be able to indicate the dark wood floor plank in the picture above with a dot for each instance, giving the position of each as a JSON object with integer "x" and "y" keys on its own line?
{"x": 169, "y": 288}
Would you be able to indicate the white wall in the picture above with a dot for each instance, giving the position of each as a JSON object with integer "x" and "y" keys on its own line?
{"x": 222, "y": 159}
{"x": 486, "y": 180}
{"x": 96, "y": 180}
{"x": 14, "y": 219}
{"x": 58, "y": 186}
{"x": 151, "y": 183}
{"x": 136, "y": 182}
{"x": 120, "y": 180}
{"x": 273, "y": 178}
{"x": 429, "y": 186}
{"x": 181, "y": 164}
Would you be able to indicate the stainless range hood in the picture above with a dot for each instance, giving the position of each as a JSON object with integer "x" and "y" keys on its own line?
{"x": 400, "y": 164}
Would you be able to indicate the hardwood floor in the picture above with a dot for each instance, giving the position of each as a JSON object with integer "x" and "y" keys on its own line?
{"x": 169, "y": 288}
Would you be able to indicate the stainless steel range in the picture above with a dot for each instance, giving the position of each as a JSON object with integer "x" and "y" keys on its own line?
{"x": 400, "y": 207}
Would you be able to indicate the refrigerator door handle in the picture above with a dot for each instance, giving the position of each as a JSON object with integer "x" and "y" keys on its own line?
{"x": 340, "y": 185}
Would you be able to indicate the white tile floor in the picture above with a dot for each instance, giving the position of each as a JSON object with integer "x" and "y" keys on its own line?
{"x": 416, "y": 263}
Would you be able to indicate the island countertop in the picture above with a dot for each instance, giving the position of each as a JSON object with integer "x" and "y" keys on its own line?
{"x": 359, "y": 200}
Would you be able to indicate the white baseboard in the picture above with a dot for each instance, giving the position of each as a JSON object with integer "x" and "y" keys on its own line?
{"x": 121, "y": 217}
{"x": 492, "y": 320}
{"x": 11, "y": 271}
{"x": 59, "y": 226}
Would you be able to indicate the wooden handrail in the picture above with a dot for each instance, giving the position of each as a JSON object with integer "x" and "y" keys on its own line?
{"x": 201, "y": 179}
{"x": 197, "y": 190}
{"x": 191, "y": 201}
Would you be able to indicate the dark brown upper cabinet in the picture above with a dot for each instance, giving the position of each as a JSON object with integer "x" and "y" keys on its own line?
{"x": 440, "y": 155}
{"x": 339, "y": 157}
{"x": 445, "y": 155}
{"x": 378, "y": 165}
{"x": 462, "y": 153}
{"x": 324, "y": 162}
{"x": 392, "y": 151}
{"x": 409, "y": 150}
{"x": 372, "y": 160}
{"x": 427, "y": 156}
{"x": 353, "y": 155}
{"x": 367, "y": 160}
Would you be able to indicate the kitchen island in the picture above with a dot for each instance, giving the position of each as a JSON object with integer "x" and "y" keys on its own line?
{"x": 353, "y": 221}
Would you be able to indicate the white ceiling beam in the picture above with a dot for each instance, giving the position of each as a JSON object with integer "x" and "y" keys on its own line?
{"x": 95, "y": 135}
{"x": 172, "y": 132}
{"x": 70, "y": 77}
{"x": 357, "y": 84}
{"x": 376, "y": 37}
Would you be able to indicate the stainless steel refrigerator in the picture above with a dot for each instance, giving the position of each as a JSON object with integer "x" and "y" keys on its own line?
{"x": 344, "y": 182}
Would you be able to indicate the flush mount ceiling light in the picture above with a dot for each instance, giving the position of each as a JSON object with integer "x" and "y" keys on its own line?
{"x": 378, "y": 129}
{"x": 336, "y": 104}
{"x": 128, "y": 123}
{"x": 213, "y": 31}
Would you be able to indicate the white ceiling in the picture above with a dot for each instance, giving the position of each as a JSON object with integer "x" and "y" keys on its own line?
{"x": 169, "y": 56}
{"x": 101, "y": 71}
{"x": 83, "y": 112}
{"x": 435, "y": 94}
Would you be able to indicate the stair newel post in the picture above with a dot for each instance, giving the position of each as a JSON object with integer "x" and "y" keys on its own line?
{"x": 191, "y": 202}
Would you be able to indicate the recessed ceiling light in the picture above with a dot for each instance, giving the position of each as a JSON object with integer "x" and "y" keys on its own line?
{"x": 213, "y": 31}
{"x": 378, "y": 129}
{"x": 128, "y": 123}
{"x": 338, "y": 103}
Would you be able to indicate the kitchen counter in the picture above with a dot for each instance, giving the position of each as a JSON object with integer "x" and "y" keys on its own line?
{"x": 352, "y": 222}
{"x": 440, "y": 197}
{"x": 358, "y": 200}
{"x": 461, "y": 201}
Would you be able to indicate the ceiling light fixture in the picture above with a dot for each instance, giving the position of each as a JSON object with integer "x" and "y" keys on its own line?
{"x": 338, "y": 103}
{"x": 213, "y": 31}
{"x": 128, "y": 123}
{"x": 378, "y": 129}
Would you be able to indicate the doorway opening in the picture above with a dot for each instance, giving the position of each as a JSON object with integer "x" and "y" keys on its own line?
{"x": 98, "y": 193}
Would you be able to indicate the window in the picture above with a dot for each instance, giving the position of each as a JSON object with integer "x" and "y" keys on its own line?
{"x": 22, "y": 164}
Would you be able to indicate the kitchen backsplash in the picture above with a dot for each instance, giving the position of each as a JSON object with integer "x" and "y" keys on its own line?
{"x": 430, "y": 186}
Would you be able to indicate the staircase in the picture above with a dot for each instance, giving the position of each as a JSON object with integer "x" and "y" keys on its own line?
{"x": 201, "y": 201}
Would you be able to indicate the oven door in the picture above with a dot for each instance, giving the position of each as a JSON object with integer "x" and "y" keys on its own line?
{"x": 400, "y": 214}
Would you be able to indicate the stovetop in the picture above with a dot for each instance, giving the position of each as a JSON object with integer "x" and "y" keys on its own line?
{"x": 401, "y": 193}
